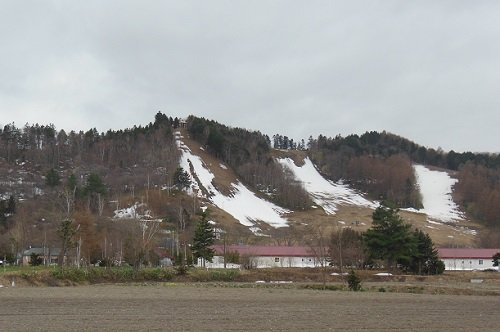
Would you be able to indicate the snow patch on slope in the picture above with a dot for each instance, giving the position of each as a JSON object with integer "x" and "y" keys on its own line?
{"x": 436, "y": 188}
{"x": 325, "y": 193}
{"x": 242, "y": 203}
{"x": 133, "y": 212}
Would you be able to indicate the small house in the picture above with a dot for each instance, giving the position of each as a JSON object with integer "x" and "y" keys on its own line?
{"x": 461, "y": 259}
{"x": 47, "y": 255}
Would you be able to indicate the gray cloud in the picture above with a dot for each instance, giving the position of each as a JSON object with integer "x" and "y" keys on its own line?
{"x": 425, "y": 70}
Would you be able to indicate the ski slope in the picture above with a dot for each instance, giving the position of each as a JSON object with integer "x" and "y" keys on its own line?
{"x": 242, "y": 203}
{"x": 249, "y": 209}
{"x": 436, "y": 188}
{"x": 327, "y": 194}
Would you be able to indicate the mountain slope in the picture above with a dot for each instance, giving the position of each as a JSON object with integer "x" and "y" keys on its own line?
{"x": 241, "y": 203}
{"x": 341, "y": 206}
{"x": 325, "y": 193}
{"x": 252, "y": 188}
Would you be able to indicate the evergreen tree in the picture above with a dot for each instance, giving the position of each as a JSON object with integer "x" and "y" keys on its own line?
{"x": 203, "y": 240}
{"x": 52, "y": 178}
{"x": 353, "y": 281}
{"x": 94, "y": 185}
{"x": 389, "y": 238}
{"x": 181, "y": 178}
{"x": 285, "y": 143}
{"x": 425, "y": 259}
{"x": 66, "y": 231}
{"x": 11, "y": 205}
{"x": 275, "y": 141}
{"x": 496, "y": 259}
{"x": 95, "y": 190}
{"x": 215, "y": 141}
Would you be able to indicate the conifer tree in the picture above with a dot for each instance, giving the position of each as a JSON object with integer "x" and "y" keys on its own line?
{"x": 425, "y": 259}
{"x": 496, "y": 259}
{"x": 52, "y": 178}
{"x": 203, "y": 240}
{"x": 181, "y": 178}
{"x": 389, "y": 238}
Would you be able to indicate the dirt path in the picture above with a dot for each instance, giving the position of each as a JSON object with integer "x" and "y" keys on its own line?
{"x": 199, "y": 308}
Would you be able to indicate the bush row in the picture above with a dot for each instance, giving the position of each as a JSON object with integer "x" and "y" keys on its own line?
{"x": 117, "y": 274}
{"x": 129, "y": 274}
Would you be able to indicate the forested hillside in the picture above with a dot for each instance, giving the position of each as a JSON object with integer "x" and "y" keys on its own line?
{"x": 249, "y": 154}
{"x": 49, "y": 175}
{"x": 369, "y": 163}
{"x": 380, "y": 164}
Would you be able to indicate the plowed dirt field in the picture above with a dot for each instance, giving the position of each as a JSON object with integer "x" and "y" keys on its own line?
{"x": 173, "y": 307}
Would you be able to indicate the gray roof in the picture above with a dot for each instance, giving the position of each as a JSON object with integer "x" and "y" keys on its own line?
{"x": 42, "y": 251}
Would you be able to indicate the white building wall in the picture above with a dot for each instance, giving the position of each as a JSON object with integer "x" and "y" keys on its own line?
{"x": 467, "y": 264}
{"x": 265, "y": 262}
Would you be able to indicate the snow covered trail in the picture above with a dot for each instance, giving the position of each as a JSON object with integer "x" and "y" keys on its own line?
{"x": 436, "y": 188}
{"x": 242, "y": 204}
{"x": 325, "y": 193}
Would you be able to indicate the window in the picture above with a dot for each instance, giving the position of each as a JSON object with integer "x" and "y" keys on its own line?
{"x": 480, "y": 262}
{"x": 276, "y": 259}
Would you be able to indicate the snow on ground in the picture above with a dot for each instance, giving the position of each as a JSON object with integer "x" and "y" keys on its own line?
{"x": 133, "y": 212}
{"x": 248, "y": 208}
{"x": 242, "y": 204}
{"x": 325, "y": 193}
{"x": 436, "y": 189}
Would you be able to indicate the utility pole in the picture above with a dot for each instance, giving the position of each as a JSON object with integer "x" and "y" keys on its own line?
{"x": 224, "y": 249}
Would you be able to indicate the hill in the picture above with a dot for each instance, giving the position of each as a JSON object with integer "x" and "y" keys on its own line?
{"x": 133, "y": 191}
{"x": 334, "y": 204}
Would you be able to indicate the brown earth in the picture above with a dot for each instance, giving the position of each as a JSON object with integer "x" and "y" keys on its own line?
{"x": 196, "y": 307}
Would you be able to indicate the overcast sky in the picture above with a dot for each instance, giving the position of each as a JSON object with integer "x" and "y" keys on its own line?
{"x": 425, "y": 70}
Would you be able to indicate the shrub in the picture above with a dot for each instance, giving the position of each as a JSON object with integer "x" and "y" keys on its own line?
{"x": 224, "y": 275}
{"x": 72, "y": 274}
{"x": 116, "y": 274}
{"x": 181, "y": 269}
{"x": 35, "y": 260}
{"x": 156, "y": 274}
{"x": 353, "y": 281}
{"x": 214, "y": 275}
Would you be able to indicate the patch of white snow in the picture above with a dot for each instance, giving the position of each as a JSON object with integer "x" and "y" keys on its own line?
{"x": 436, "y": 188}
{"x": 325, "y": 193}
{"x": 132, "y": 212}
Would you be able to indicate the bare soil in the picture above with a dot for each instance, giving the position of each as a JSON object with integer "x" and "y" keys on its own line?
{"x": 199, "y": 307}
